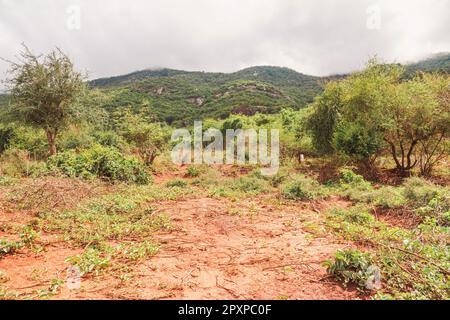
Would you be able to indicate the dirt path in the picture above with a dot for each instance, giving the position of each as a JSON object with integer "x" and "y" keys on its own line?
{"x": 253, "y": 248}
{"x": 245, "y": 250}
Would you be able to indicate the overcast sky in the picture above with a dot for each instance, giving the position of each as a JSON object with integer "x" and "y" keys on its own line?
{"x": 319, "y": 37}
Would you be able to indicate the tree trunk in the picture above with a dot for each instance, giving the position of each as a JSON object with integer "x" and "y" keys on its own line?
{"x": 51, "y": 138}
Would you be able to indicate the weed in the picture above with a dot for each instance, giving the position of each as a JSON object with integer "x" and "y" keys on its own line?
{"x": 358, "y": 214}
{"x": 177, "y": 183}
{"x": 250, "y": 184}
{"x": 193, "y": 172}
{"x": 9, "y": 247}
{"x": 303, "y": 188}
{"x": 352, "y": 267}
{"x": 137, "y": 251}
{"x": 92, "y": 261}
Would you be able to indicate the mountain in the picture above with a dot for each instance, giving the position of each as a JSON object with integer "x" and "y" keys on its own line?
{"x": 182, "y": 96}
{"x": 436, "y": 63}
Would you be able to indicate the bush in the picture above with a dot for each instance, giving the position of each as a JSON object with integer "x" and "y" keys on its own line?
{"x": 428, "y": 199}
{"x": 303, "y": 188}
{"x": 387, "y": 197}
{"x": 176, "y": 183}
{"x": 100, "y": 161}
{"x": 358, "y": 214}
{"x": 419, "y": 192}
{"x": 16, "y": 163}
{"x": 193, "y": 172}
{"x": 6, "y": 181}
{"x": 31, "y": 140}
{"x": 353, "y": 267}
{"x": 349, "y": 177}
{"x": 250, "y": 184}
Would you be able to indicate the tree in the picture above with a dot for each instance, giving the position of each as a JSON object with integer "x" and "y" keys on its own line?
{"x": 376, "y": 110}
{"x": 419, "y": 123}
{"x": 148, "y": 138}
{"x": 324, "y": 117}
{"x": 44, "y": 91}
{"x": 437, "y": 146}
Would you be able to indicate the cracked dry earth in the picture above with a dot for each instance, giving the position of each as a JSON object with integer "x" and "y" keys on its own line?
{"x": 218, "y": 249}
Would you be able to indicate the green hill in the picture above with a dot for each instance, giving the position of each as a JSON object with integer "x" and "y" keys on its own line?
{"x": 437, "y": 63}
{"x": 181, "y": 96}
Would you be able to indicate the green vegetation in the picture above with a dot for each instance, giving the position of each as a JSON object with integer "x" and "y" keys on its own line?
{"x": 376, "y": 112}
{"x": 44, "y": 91}
{"x": 364, "y": 160}
{"x": 352, "y": 267}
{"x": 303, "y": 188}
{"x": 104, "y": 162}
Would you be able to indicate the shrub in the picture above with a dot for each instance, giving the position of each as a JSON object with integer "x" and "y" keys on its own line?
{"x": 353, "y": 267}
{"x": 9, "y": 247}
{"x": 104, "y": 162}
{"x": 250, "y": 184}
{"x": 193, "y": 172}
{"x": 347, "y": 176}
{"x": 419, "y": 192}
{"x": 387, "y": 197}
{"x": 354, "y": 187}
{"x": 90, "y": 261}
{"x": 6, "y": 181}
{"x": 17, "y": 163}
{"x": 176, "y": 183}
{"x": 358, "y": 214}
{"x": 303, "y": 188}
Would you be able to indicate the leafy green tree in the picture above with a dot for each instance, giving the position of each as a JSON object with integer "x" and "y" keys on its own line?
{"x": 377, "y": 110}
{"x": 324, "y": 117}
{"x": 367, "y": 97}
{"x": 418, "y": 122}
{"x": 148, "y": 138}
{"x": 44, "y": 91}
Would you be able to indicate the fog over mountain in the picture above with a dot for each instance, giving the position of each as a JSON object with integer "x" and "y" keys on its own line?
{"x": 111, "y": 37}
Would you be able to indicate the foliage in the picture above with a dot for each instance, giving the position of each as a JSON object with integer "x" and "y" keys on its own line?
{"x": 358, "y": 214}
{"x": 376, "y": 110}
{"x": 352, "y": 267}
{"x": 9, "y": 247}
{"x": 149, "y": 139}
{"x": 17, "y": 163}
{"x": 176, "y": 183}
{"x": 104, "y": 162}
{"x": 302, "y": 188}
{"x": 193, "y": 172}
{"x": 250, "y": 184}
{"x": 44, "y": 91}
{"x": 90, "y": 261}
{"x": 325, "y": 116}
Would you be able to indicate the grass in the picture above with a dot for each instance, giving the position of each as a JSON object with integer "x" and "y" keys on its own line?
{"x": 413, "y": 262}
{"x": 303, "y": 188}
{"x": 114, "y": 226}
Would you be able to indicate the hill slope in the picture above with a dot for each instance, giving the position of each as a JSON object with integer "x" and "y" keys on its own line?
{"x": 176, "y": 95}
{"x": 436, "y": 63}
{"x": 181, "y": 96}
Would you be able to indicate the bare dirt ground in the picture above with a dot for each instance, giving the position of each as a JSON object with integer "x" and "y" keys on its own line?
{"x": 252, "y": 248}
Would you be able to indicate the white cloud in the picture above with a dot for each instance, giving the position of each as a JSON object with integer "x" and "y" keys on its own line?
{"x": 315, "y": 37}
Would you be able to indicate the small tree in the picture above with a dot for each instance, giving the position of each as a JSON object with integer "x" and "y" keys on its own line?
{"x": 44, "y": 91}
{"x": 148, "y": 138}
{"x": 324, "y": 117}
